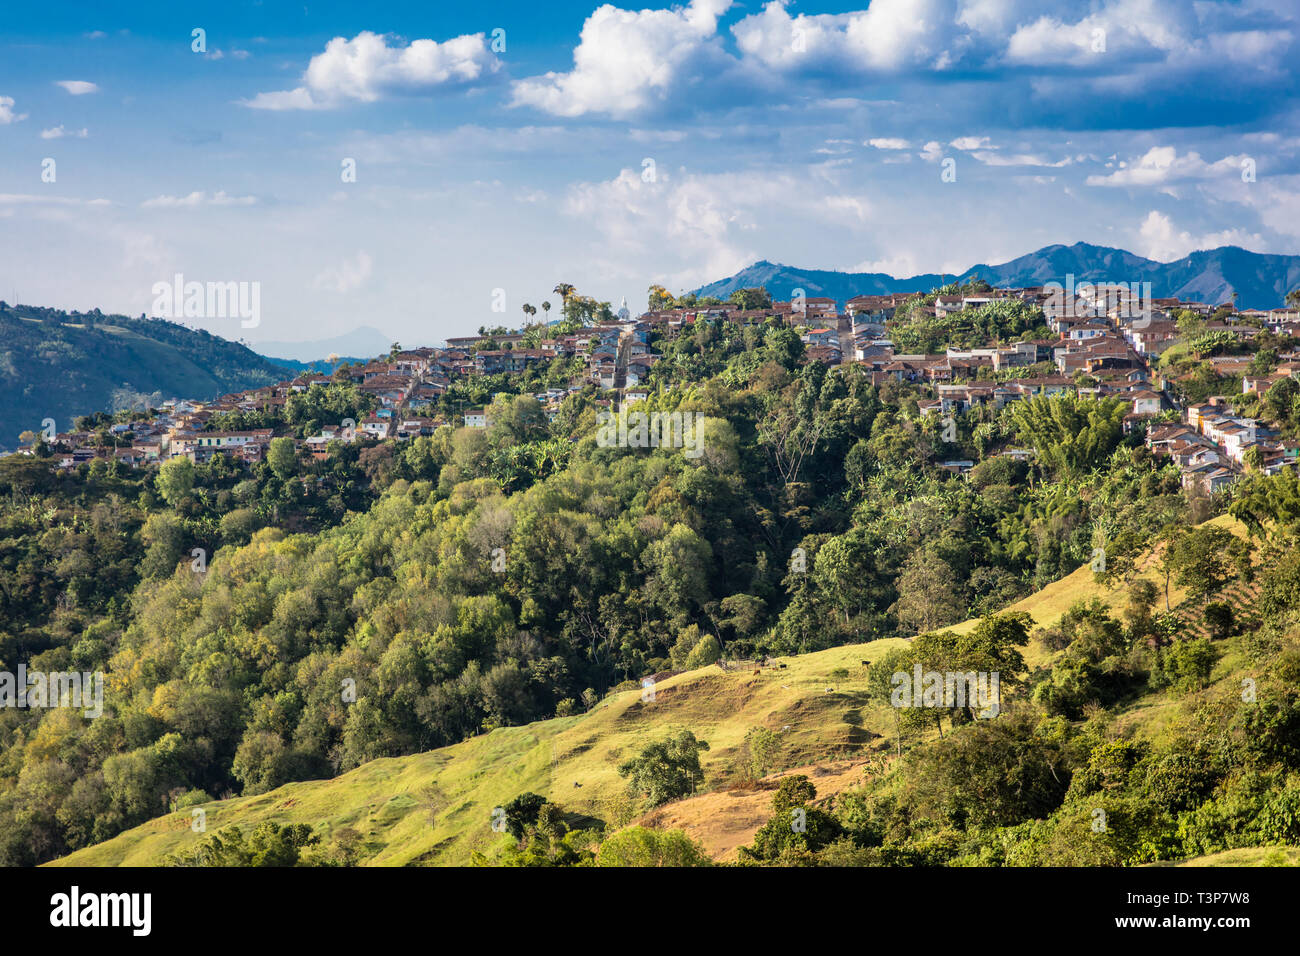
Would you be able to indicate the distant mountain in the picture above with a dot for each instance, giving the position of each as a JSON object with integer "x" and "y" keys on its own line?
{"x": 1260, "y": 280}
{"x": 59, "y": 365}
{"x": 364, "y": 341}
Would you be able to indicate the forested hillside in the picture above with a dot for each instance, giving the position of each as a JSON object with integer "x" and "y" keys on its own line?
{"x": 60, "y": 365}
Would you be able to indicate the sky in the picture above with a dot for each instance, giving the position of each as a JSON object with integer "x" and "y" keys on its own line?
{"x": 501, "y": 148}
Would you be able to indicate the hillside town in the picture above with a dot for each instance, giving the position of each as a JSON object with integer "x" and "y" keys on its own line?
{"x": 1105, "y": 340}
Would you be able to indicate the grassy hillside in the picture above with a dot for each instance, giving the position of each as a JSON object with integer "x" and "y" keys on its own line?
{"x": 61, "y": 365}
{"x": 434, "y": 808}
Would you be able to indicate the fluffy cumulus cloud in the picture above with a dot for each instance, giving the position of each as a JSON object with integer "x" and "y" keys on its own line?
{"x": 7, "y": 113}
{"x": 888, "y": 35}
{"x": 1159, "y": 239}
{"x": 699, "y": 226}
{"x": 1162, "y": 165}
{"x": 628, "y": 61}
{"x": 367, "y": 68}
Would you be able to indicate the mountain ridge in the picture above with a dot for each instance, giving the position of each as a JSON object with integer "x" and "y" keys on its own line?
{"x": 1261, "y": 280}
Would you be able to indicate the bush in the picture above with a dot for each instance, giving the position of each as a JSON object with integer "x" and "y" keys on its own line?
{"x": 666, "y": 770}
{"x": 704, "y": 653}
{"x": 639, "y": 846}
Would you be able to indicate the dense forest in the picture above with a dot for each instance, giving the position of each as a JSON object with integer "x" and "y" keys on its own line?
{"x": 487, "y": 577}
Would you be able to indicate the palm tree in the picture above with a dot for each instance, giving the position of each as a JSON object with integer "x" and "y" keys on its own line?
{"x": 546, "y": 310}
{"x": 564, "y": 290}
{"x": 1293, "y": 298}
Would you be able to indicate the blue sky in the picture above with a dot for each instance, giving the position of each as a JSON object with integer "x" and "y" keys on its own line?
{"x": 612, "y": 147}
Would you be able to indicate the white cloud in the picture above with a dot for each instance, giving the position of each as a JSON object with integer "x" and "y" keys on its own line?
{"x": 931, "y": 151}
{"x": 7, "y": 114}
{"x": 198, "y": 198}
{"x": 628, "y": 61}
{"x": 972, "y": 142}
{"x": 1131, "y": 28}
{"x": 1160, "y": 240}
{"x": 58, "y": 132}
{"x": 349, "y": 275}
{"x": 1162, "y": 164}
{"x": 365, "y": 69}
{"x": 699, "y": 226}
{"x": 77, "y": 87}
{"x": 889, "y": 35}
{"x": 1018, "y": 159}
{"x": 888, "y": 143}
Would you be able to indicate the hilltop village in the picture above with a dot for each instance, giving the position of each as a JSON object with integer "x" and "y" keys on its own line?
{"x": 1185, "y": 367}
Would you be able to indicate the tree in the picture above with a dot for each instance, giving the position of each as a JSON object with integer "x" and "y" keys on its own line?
{"x": 927, "y": 594}
{"x": 1219, "y": 618}
{"x": 1204, "y": 559}
{"x": 667, "y": 769}
{"x": 658, "y": 298}
{"x": 795, "y": 828}
{"x": 522, "y": 812}
{"x": 270, "y": 844}
{"x": 564, "y": 290}
{"x": 751, "y": 299}
{"x": 175, "y": 480}
{"x": 164, "y": 535}
{"x": 639, "y": 846}
{"x": 1188, "y": 664}
{"x": 704, "y": 653}
{"x": 282, "y": 457}
{"x": 1070, "y": 435}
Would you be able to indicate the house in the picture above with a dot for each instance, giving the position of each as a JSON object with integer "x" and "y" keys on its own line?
{"x": 822, "y": 337}
{"x": 1146, "y": 403}
{"x": 476, "y": 418}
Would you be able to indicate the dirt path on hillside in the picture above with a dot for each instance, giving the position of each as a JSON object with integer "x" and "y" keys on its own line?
{"x": 728, "y": 819}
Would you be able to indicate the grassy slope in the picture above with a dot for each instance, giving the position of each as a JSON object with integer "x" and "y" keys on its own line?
{"x": 434, "y": 808}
